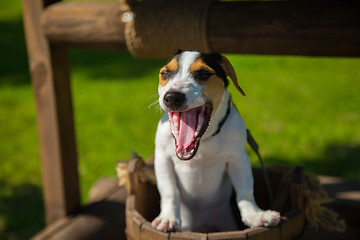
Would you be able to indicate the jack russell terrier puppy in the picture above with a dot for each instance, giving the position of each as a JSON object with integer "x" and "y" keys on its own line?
{"x": 200, "y": 154}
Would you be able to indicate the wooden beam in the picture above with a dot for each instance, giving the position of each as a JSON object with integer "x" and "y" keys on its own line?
{"x": 94, "y": 25}
{"x": 316, "y": 28}
{"x": 49, "y": 67}
{"x": 103, "y": 218}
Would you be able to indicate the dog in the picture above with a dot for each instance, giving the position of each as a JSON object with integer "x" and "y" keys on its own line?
{"x": 200, "y": 154}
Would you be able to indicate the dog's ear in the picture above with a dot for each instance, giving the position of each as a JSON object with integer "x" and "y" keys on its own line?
{"x": 229, "y": 70}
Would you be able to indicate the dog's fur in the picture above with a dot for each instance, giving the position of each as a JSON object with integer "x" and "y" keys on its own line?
{"x": 196, "y": 179}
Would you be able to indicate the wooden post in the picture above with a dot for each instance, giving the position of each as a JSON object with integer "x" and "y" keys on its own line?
{"x": 49, "y": 67}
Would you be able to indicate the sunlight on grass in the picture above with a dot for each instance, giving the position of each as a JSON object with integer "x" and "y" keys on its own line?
{"x": 298, "y": 107}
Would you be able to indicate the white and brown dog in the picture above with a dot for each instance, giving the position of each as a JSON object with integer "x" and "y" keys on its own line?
{"x": 200, "y": 154}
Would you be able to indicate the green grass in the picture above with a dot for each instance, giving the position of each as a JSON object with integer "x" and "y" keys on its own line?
{"x": 302, "y": 111}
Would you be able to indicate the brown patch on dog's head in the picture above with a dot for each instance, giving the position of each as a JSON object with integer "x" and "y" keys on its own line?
{"x": 212, "y": 81}
{"x": 168, "y": 71}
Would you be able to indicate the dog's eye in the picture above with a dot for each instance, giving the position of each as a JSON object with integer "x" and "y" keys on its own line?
{"x": 203, "y": 75}
{"x": 165, "y": 74}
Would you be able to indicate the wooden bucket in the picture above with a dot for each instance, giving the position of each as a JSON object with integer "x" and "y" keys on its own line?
{"x": 143, "y": 205}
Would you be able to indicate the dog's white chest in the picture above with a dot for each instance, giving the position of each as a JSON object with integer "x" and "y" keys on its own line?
{"x": 200, "y": 178}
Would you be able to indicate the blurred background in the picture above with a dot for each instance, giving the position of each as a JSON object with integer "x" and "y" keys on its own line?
{"x": 302, "y": 111}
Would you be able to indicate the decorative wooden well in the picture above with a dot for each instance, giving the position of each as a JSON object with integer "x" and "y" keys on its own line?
{"x": 143, "y": 205}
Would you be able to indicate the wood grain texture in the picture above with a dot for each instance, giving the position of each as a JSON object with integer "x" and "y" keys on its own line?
{"x": 256, "y": 233}
{"x": 295, "y": 225}
{"x": 85, "y": 24}
{"x": 235, "y": 235}
{"x": 104, "y": 219}
{"x": 296, "y": 188}
{"x": 49, "y": 67}
{"x": 315, "y": 28}
{"x": 318, "y": 28}
{"x": 188, "y": 236}
{"x": 148, "y": 232}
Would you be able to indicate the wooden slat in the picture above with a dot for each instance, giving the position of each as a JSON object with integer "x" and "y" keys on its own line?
{"x": 256, "y": 233}
{"x": 316, "y": 28}
{"x": 297, "y": 196}
{"x": 148, "y": 232}
{"x": 53, "y": 228}
{"x": 133, "y": 219}
{"x": 187, "y": 236}
{"x": 104, "y": 219}
{"x": 97, "y": 220}
{"x": 50, "y": 78}
{"x": 146, "y": 193}
{"x": 294, "y": 226}
{"x": 102, "y": 189}
{"x": 235, "y": 235}
{"x": 272, "y": 233}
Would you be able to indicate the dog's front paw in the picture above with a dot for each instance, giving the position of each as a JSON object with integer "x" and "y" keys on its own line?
{"x": 266, "y": 218}
{"x": 166, "y": 224}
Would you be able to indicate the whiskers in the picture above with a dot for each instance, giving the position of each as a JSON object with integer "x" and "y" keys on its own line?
{"x": 155, "y": 104}
{"x": 199, "y": 99}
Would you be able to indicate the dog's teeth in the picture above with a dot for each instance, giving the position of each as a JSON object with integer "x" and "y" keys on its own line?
{"x": 201, "y": 119}
{"x": 174, "y": 120}
{"x": 176, "y": 128}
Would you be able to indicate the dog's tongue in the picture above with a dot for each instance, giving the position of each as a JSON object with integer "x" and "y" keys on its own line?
{"x": 184, "y": 126}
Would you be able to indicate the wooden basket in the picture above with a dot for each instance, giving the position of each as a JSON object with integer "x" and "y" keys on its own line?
{"x": 143, "y": 205}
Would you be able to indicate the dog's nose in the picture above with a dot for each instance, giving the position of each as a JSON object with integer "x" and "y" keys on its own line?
{"x": 174, "y": 100}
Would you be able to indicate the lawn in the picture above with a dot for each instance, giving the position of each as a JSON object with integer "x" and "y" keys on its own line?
{"x": 302, "y": 111}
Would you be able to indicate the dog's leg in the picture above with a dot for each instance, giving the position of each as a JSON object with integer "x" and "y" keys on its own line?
{"x": 239, "y": 170}
{"x": 169, "y": 217}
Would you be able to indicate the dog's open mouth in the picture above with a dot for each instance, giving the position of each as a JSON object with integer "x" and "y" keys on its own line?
{"x": 187, "y": 128}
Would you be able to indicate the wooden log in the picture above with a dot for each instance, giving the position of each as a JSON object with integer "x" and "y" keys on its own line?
{"x": 54, "y": 227}
{"x": 95, "y": 25}
{"x": 51, "y": 83}
{"x": 146, "y": 193}
{"x": 102, "y": 189}
{"x": 316, "y": 28}
{"x": 104, "y": 219}
{"x": 100, "y": 220}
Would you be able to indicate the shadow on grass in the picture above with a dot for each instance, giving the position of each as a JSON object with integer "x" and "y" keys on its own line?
{"x": 340, "y": 160}
{"x": 21, "y": 211}
{"x": 113, "y": 65}
{"x": 13, "y": 60}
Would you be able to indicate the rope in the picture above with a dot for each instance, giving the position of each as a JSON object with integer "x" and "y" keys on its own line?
{"x": 158, "y": 28}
